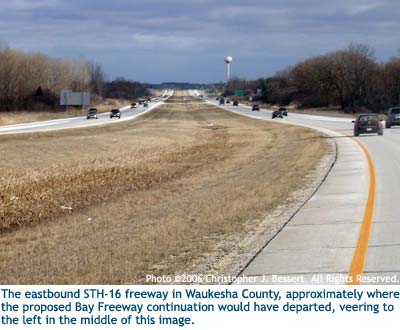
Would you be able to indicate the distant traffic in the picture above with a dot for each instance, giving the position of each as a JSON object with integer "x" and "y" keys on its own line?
{"x": 128, "y": 112}
{"x": 365, "y": 123}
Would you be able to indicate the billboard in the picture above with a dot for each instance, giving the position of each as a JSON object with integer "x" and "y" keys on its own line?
{"x": 68, "y": 97}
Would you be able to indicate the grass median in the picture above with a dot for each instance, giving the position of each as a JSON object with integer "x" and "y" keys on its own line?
{"x": 154, "y": 195}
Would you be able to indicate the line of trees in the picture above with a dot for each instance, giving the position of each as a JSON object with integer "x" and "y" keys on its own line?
{"x": 349, "y": 78}
{"x": 34, "y": 81}
{"x": 121, "y": 88}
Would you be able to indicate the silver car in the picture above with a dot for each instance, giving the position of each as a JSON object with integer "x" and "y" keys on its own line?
{"x": 92, "y": 113}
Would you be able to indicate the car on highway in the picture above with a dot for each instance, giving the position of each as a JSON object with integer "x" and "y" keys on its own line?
{"x": 228, "y": 101}
{"x": 92, "y": 113}
{"x": 221, "y": 100}
{"x": 145, "y": 105}
{"x": 236, "y": 103}
{"x": 367, "y": 123}
{"x": 284, "y": 111}
{"x": 277, "y": 114}
{"x": 392, "y": 117}
{"x": 255, "y": 107}
{"x": 115, "y": 113}
{"x": 133, "y": 105}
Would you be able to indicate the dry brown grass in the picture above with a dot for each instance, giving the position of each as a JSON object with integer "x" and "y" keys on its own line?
{"x": 36, "y": 196}
{"x": 176, "y": 183}
{"x": 19, "y": 117}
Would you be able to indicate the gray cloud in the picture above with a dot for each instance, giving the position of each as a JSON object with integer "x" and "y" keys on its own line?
{"x": 158, "y": 40}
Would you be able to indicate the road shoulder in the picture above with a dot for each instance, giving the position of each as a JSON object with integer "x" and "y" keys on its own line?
{"x": 319, "y": 241}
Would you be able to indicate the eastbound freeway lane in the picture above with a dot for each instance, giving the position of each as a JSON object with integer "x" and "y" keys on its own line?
{"x": 79, "y": 122}
{"x": 323, "y": 236}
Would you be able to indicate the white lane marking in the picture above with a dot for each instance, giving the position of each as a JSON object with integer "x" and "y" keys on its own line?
{"x": 76, "y": 121}
{"x": 296, "y": 115}
{"x": 249, "y": 115}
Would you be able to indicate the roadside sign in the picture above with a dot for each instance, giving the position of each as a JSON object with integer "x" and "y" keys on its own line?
{"x": 68, "y": 97}
{"x": 239, "y": 92}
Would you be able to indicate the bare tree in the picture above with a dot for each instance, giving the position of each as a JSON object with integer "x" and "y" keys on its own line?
{"x": 97, "y": 77}
{"x": 391, "y": 81}
{"x": 21, "y": 74}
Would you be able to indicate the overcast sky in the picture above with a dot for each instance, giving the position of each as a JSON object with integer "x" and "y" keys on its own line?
{"x": 187, "y": 40}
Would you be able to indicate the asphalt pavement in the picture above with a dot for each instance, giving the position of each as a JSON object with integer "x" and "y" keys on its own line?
{"x": 127, "y": 113}
{"x": 324, "y": 240}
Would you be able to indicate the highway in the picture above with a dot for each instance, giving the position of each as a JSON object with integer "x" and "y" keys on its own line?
{"x": 350, "y": 227}
{"x": 127, "y": 113}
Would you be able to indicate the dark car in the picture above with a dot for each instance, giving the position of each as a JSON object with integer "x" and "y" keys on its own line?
{"x": 392, "y": 117}
{"x": 92, "y": 113}
{"x": 255, "y": 107}
{"x": 221, "y": 100}
{"x": 217, "y": 98}
{"x": 133, "y": 105}
{"x": 228, "y": 101}
{"x": 283, "y": 111}
{"x": 367, "y": 123}
{"x": 145, "y": 105}
{"x": 115, "y": 113}
{"x": 141, "y": 101}
{"x": 277, "y": 114}
{"x": 236, "y": 103}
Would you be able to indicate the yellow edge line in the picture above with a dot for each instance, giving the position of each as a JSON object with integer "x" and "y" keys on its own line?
{"x": 360, "y": 254}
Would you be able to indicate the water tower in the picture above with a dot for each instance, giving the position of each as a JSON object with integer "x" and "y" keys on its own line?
{"x": 228, "y": 61}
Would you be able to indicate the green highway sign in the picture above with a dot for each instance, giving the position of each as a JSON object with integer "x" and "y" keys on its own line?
{"x": 239, "y": 92}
